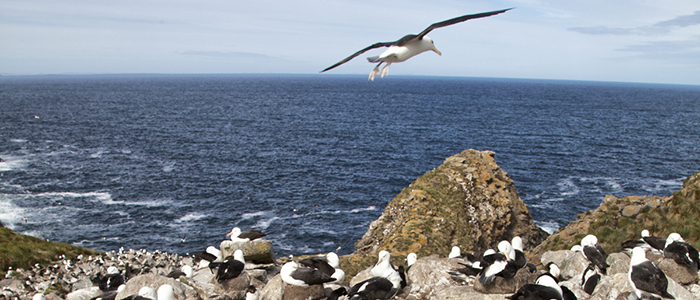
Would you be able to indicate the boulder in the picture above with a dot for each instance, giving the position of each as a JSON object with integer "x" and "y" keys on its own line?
{"x": 573, "y": 265}
{"x": 462, "y": 292}
{"x": 274, "y": 289}
{"x": 679, "y": 273}
{"x": 574, "y": 285}
{"x": 256, "y": 251}
{"x": 154, "y": 281}
{"x": 678, "y": 291}
{"x": 612, "y": 287}
{"x": 556, "y": 257}
{"x": 619, "y": 263}
{"x": 234, "y": 288}
{"x": 15, "y": 285}
{"x": 312, "y": 292}
{"x": 429, "y": 274}
{"x": 84, "y": 294}
{"x": 468, "y": 201}
{"x": 362, "y": 276}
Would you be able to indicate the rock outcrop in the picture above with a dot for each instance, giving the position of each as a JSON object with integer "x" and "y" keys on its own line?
{"x": 620, "y": 219}
{"x": 468, "y": 201}
{"x": 256, "y": 251}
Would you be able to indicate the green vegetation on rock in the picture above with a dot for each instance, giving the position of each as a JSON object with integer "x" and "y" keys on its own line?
{"x": 21, "y": 251}
{"x": 619, "y": 219}
{"x": 468, "y": 201}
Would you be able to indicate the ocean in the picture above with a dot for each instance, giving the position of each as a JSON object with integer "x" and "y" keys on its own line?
{"x": 173, "y": 162}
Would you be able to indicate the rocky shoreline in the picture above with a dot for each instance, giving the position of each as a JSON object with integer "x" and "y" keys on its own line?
{"x": 468, "y": 202}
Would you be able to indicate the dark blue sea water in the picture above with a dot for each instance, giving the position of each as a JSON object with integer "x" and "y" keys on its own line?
{"x": 147, "y": 161}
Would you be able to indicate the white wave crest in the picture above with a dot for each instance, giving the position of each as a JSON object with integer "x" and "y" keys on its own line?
{"x": 10, "y": 163}
{"x": 191, "y": 217}
{"x": 549, "y": 227}
{"x": 247, "y": 216}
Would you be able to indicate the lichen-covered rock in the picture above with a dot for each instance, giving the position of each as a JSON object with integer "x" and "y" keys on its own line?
{"x": 468, "y": 201}
{"x": 256, "y": 251}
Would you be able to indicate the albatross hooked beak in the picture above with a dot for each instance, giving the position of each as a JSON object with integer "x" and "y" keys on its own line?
{"x": 437, "y": 51}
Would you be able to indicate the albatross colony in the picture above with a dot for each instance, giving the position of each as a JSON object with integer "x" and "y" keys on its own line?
{"x": 409, "y": 45}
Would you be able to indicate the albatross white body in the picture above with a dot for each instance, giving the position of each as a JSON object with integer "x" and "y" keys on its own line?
{"x": 400, "y": 54}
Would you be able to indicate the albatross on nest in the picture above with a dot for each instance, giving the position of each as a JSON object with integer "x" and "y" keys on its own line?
{"x": 409, "y": 45}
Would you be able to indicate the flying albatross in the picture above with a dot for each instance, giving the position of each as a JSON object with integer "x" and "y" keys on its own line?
{"x": 409, "y": 45}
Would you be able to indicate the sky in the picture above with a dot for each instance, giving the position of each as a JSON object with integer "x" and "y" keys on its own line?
{"x": 654, "y": 41}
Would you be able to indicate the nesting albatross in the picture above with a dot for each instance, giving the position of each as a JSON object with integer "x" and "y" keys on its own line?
{"x": 409, "y": 45}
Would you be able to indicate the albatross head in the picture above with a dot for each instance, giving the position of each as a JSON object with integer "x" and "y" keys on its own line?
{"x": 235, "y": 232}
{"x": 429, "y": 45}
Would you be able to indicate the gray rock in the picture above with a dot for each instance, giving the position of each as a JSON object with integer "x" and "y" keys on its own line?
{"x": 619, "y": 263}
{"x": 680, "y": 273}
{"x": 82, "y": 283}
{"x": 257, "y": 251}
{"x": 499, "y": 285}
{"x": 429, "y": 274}
{"x": 312, "y": 292}
{"x": 612, "y": 287}
{"x": 234, "y": 288}
{"x": 573, "y": 265}
{"x": 575, "y": 287}
{"x": 678, "y": 291}
{"x": 557, "y": 257}
{"x": 363, "y": 275}
{"x": 84, "y": 294}
{"x": 133, "y": 286}
{"x": 462, "y": 292}
{"x": 14, "y": 285}
{"x": 274, "y": 289}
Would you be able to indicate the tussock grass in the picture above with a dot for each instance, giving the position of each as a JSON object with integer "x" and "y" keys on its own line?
{"x": 21, "y": 251}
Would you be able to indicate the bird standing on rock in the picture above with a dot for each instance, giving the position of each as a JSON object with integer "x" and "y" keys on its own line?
{"x": 245, "y": 236}
{"x": 645, "y": 277}
{"x": 381, "y": 287}
{"x": 593, "y": 252}
{"x": 295, "y": 274}
{"x": 409, "y": 45}
{"x": 681, "y": 252}
{"x": 112, "y": 280}
{"x": 231, "y": 268}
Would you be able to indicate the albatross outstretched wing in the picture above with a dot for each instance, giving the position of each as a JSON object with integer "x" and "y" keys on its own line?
{"x": 459, "y": 20}
{"x": 370, "y": 47}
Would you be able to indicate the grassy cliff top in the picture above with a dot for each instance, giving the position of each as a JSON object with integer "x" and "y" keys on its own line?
{"x": 620, "y": 219}
{"x": 22, "y": 251}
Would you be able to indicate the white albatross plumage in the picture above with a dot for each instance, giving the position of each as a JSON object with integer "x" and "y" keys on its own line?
{"x": 409, "y": 45}
{"x": 645, "y": 277}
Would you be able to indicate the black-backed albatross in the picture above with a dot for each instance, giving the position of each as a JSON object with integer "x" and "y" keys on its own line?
{"x": 409, "y": 45}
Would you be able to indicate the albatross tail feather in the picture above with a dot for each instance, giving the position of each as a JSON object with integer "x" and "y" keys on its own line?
{"x": 374, "y": 59}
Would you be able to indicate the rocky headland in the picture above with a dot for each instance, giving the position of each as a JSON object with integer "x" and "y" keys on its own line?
{"x": 468, "y": 201}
